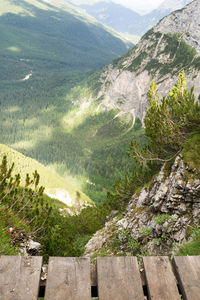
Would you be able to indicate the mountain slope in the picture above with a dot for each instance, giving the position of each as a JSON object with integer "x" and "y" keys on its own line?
{"x": 55, "y": 186}
{"x": 56, "y": 31}
{"x": 47, "y": 48}
{"x": 172, "y": 45}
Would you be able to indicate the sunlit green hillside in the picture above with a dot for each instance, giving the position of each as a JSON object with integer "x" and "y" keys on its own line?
{"x": 55, "y": 185}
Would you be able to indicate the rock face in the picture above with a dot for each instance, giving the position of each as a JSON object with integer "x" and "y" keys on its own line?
{"x": 157, "y": 217}
{"x": 186, "y": 22}
{"x": 171, "y": 46}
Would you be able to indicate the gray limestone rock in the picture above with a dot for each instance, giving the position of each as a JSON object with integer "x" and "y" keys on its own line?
{"x": 158, "y": 216}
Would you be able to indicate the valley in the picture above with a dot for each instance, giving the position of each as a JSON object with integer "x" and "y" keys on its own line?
{"x": 108, "y": 133}
{"x": 42, "y": 65}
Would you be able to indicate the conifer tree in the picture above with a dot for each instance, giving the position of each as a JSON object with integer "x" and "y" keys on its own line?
{"x": 168, "y": 122}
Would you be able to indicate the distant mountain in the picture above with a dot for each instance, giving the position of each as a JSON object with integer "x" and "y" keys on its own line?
{"x": 125, "y": 20}
{"x": 113, "y": 15}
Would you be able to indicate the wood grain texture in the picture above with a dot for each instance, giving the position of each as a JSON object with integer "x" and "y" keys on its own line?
{"x": 68, "y": 278}
{"x": 119, "y": 278}
{"x": 160, "y": 279}
{"x": 187, "y": 269}
{"x": 19, "y": 277}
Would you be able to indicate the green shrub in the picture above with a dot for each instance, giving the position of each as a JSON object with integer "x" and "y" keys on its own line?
{"x": 162, "y": 218}
{"x": 193, "y": 247}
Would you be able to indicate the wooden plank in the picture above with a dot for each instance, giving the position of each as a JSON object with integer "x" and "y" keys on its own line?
{"x": 93, "y": 275}
{"x": 161, "y": 282}
{"x": 187, "y": 269}
{"x": 19, "y": 277}
{"x": 119, "y": 278}
{"x": 68, "y": 278}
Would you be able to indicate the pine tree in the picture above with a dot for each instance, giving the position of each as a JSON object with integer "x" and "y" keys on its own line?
{"x": 168, "y": 122}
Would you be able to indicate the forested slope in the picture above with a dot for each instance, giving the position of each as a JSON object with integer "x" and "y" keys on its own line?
{"x": 46, "y": 49}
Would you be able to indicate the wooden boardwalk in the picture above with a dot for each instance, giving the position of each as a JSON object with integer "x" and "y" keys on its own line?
{"x": 116, "y": 278}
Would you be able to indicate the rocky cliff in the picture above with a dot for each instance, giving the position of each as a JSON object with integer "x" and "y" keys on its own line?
{"x": 172, "y": 45}
{"x": 157, "y": 218}
{"x": 164, "y": 9}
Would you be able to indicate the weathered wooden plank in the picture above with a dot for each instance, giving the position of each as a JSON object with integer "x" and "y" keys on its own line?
{"x": 19, "y": 277}
{"x": 93, "y": 275}
{"x": 68, "y": 278}
{"x": 187, "y": 269}
{"x": 161, "y": 282}
{"x": 119, "y": 278}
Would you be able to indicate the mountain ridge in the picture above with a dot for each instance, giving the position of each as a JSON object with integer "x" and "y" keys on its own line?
{"x": 170, "y": 5}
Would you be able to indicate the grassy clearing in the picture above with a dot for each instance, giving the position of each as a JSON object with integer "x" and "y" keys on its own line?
{"x": 6, "y": 247}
